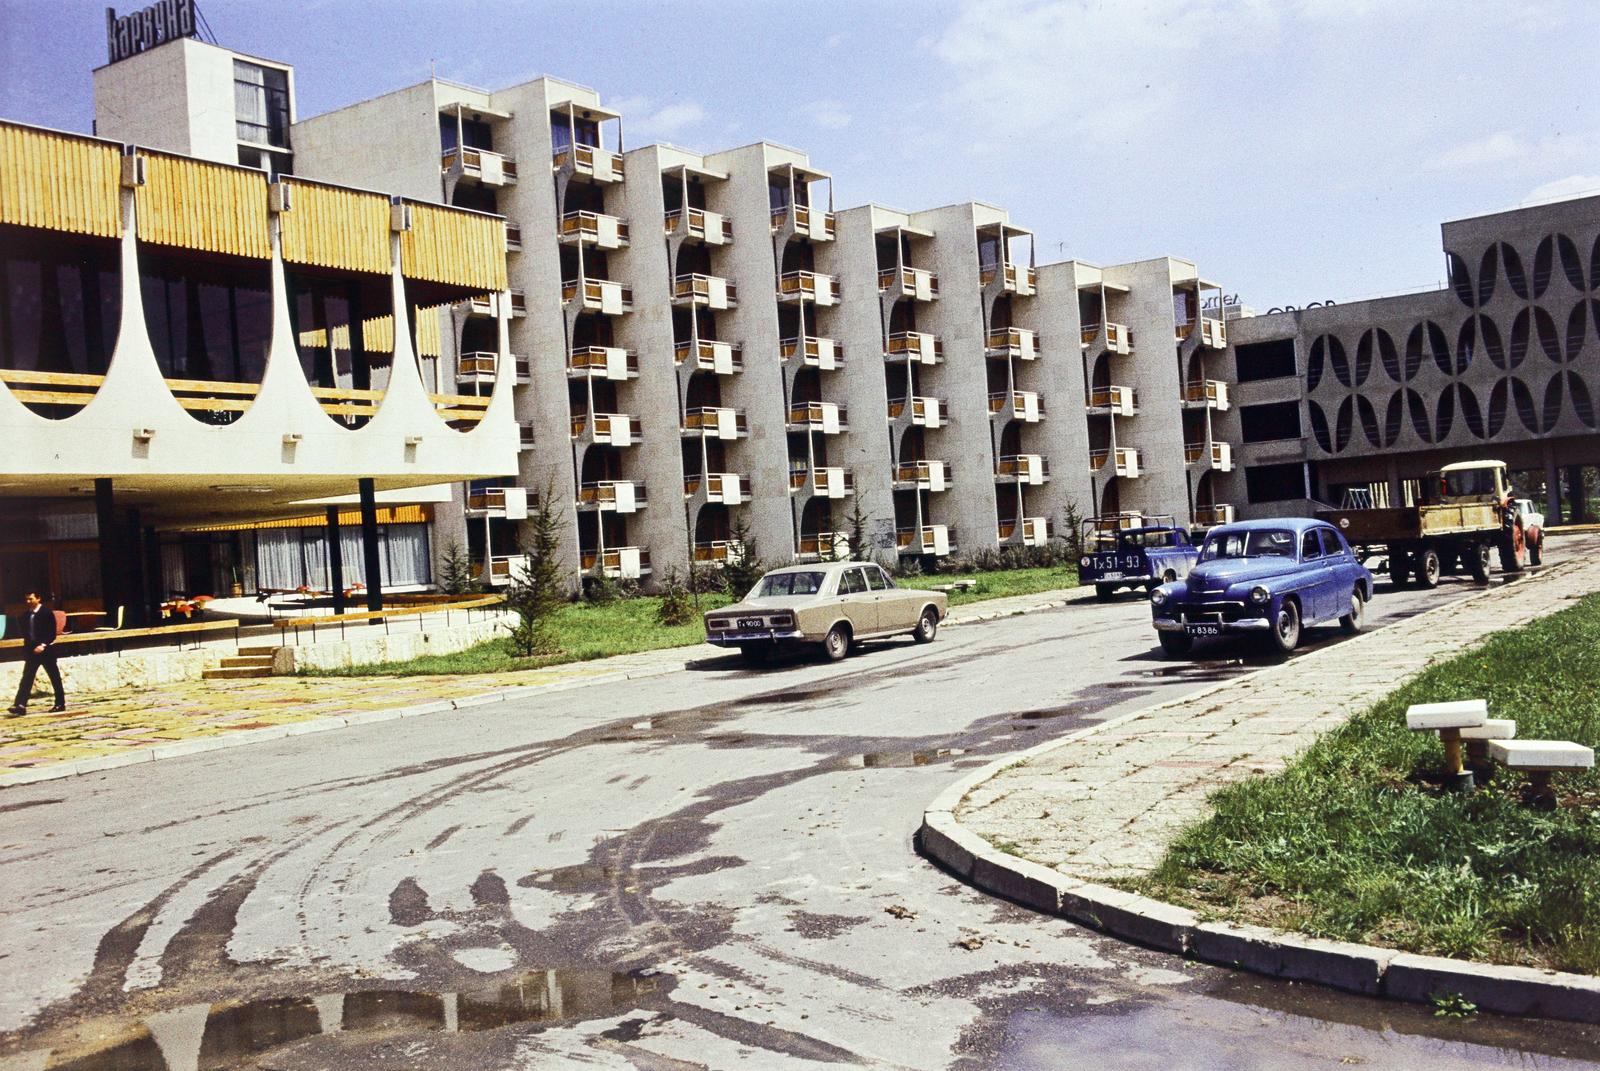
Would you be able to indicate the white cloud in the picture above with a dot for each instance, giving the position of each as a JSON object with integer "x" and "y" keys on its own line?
{"x": 1511, "y": 150}
{"x": 1496, "y": 148}
{"x": 828, "y": 114}
{"x": 1563, "y": 189}
{"x": 645, "y": 121}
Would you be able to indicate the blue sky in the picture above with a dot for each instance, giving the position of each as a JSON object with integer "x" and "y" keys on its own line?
{"x": 1297, "y": 150}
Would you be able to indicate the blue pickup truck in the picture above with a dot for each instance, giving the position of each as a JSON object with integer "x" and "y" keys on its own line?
{"x": 1143, "y": 557}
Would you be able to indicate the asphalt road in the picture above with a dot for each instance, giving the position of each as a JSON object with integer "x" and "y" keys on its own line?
{"x": 708, "y": 869}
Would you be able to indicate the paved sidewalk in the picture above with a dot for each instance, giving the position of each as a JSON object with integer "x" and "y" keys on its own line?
{"x": 1105, "y": 803}
{"x": 133, "y": 725}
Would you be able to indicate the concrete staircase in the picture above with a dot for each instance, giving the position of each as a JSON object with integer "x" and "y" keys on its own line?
{"x": 249, "y": 662}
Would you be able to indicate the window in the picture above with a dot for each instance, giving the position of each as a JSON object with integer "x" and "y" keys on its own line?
{"x": 852, "y": 582}
{"x": 475, "y": 133}
{"x": 1275, "y": 483}
{"x": 1310, "y": 546}
{"x": 1332, "y": 545}
{"x": 1264, "y": 360}
{"x": 1270, "y": 423}
{"x": 806, "y": 583}
{"x": 877, "y": 579}
{"x": 261, "y": 104}
{"x": 1248, "y": 543}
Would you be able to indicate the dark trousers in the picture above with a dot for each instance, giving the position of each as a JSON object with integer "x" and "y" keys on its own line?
{"x": 30, "y": 669}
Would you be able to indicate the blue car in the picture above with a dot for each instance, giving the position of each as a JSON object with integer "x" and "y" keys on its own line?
{"x": 1271, "y": 578}
{"x": 1135, "y": 558}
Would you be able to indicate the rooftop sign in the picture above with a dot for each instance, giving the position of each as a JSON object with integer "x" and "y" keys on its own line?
{"x": 163, "y": 21}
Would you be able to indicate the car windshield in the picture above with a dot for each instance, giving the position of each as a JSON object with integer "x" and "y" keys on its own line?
{"x": 1162, "y": 538}
{"x": 1249, "y": 543}
{"x": 802, "y": 583}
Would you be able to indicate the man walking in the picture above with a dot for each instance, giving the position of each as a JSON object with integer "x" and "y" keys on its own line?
{"x": 39, "y": 638}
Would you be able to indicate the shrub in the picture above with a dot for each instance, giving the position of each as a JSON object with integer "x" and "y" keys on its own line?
{"x": 535, "y": 593}
{"x": 745, "y": 567}
{"x": 456, "y": 575}
{"x": 677, "y": 607}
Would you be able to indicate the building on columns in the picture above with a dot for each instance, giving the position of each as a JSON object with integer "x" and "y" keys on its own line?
{"x": 207, "y": 372}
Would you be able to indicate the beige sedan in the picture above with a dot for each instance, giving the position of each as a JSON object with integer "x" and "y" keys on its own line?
{"x": 830, "y": 604}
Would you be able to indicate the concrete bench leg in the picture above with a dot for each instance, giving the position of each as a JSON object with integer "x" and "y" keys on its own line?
{"x": 1456, "y": 778}
{"x": 1540, "y": 793}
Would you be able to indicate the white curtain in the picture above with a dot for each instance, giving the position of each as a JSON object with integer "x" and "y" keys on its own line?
{"x": 407, "y": 558}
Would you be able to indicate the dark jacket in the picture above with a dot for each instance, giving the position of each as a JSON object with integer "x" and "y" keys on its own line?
{"x": 39, "y": 627}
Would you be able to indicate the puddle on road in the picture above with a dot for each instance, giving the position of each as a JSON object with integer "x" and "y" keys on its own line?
{"x": 235, "y": 1033}
{"x": 895, "y": 759}
{"x": 579, "y": 878}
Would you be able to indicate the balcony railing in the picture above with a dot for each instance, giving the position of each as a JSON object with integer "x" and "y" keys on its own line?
{"x": 594, "y": 228}
{"x": 1124, "y": 461}
{"x": 1213, "y": 332}
{"x": 513, "y": 237}
{"x": 526, "y": 436}
{"x": 478, "y": 366}
{"x": 920, "y": 346}
{"x": 918, "y": 283}
{"x": 1123, "y": 401}
{"x": 1024, "y": 405}
{"x": 718, "y": 551}
{"x": 489, "y": 168}
{"x": 619, "y": 563}
{"x": 1118, "y": 338}
{"x": 814, "y": 350}
{"x": 600, "y": 164}
{"x": 602, "y": 295}
{"x": 1035, "y": 531}
{"x": 1018, "y": 279}
{"x": 1220, "y": 455}
{"x": 499, "y": 501}
{"x": 813, "y": 224}
{"x": 614, "y": 429}
{"x": 723, "y": 358}
{"x": 712, "y": 291}
{"x": 821, "y": 544}
{"x": 713, "y": 228}
{"x": 1017, "y": 342}
{"x": 1211, "y": 393}
{"x": 926, "y": 412}
{"x": 715, "y": 422}
{"x": 924, "y": 475}
{"x": 929, "y": 539}
{"x": 603, "y": 362}
{"x": 826, "y": 482}
{"x": 1023, "y": 468}
{"x": 485, "y": 304}
{"x": 826, "y": 416}
{"x": 1209, "y": 516}
{"x": 618, "y": 496}
{"x": 729, "y": 488}
{"x": 808, "y": 286}
{"x": 501, "y": 568}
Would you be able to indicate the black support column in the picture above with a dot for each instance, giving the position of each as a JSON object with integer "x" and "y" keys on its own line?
{"x": 153, "y": 581}
{"x": 335, "y": 561}
{"x": 369, "y": 545}
{"x": 105, "y": 515}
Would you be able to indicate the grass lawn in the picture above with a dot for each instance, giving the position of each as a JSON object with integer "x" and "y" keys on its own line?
{"x": 1354, "y": 840}
{"x": 629, "y": 625}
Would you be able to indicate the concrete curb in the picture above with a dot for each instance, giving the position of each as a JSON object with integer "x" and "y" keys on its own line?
{"x": 1355, "y": 968}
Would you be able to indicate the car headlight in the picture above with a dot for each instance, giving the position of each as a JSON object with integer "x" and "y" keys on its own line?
{"x": 1158, "y": 597}
{"x": 1259, "y": 595}
{"x": 1084, "y": 561}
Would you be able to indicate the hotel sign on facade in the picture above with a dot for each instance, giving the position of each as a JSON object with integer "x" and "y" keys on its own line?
{"x": 163, "y": 21}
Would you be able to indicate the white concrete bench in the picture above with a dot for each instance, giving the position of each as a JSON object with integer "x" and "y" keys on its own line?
{"x": 1448, "y": 720}
{"x": 956, "y": 585}
{"x": 1477, "y": 738}
{"x": 1539, "y": 759}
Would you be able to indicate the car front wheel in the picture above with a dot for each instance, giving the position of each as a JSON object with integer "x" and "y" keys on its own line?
{"x": 1352, "y": 621}
{"x": 1536, "y": 550}
{"x": 1175, "y": 643}
{"x": 836, "y": 644}
{"x": 927, "y": 626}
{"x": 1286, "y": 627}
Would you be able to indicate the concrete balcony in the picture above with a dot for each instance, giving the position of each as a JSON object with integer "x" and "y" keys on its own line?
{"x": 593, "y": 229}
{"x": 916, "y": 283}
{"x": 479, "y": 368}
{"x": 526, "y": 438}
{"x": 1210, "y": 516}
{"x": 1030, "y": 532}
{"x": 929, "y": 539}
{"x": 813, "y": 224}
{"x": 1207, "y": 394}
{"x": 1019, "y": 280}
{"x": 500, "y": 569}
{"x": 827, "y": 482}
{"x": 618, "y": 563}
{"x": 826, "y": 417}
{"x": 489, "y": 304}
{"x": 712, "y": 228}
{"x": 480, "y": 166}
{"x": 1118, "y": 338}
{"x": 710, "y": 422}
{"x": 814, "y": 351}
{"x": 611, "y": 429}
{"x": 1022, "y": 468}
{"x": 728, "y": 488}
{"x": 723, "y": 358}
{"x": 926, "y": 412}
{"x": 1116, "y": 401}
{"x": 1024, "y": 405}
{"x": 1016, "y": 343}
{"x": 922, "y": 476}
{"x": 1213, "y": 332}
{"x": 513, "y": 237}
{"x": 821, "y": 290}
{"x": 598, "y": 295}
{"x": 718, "y": 551}
{"x": 613, "y": 496}
{"x": 599, "y": 164}
{"x": 814, "y": 545}
{"x": 602, "y": 362}
{"x": 1219, "y": 455}
{"x": 918, "y": 347}
{"x": 508, "y": 503}
{"x": 1123, "y": 461}
{"x": 704, "y": 291}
